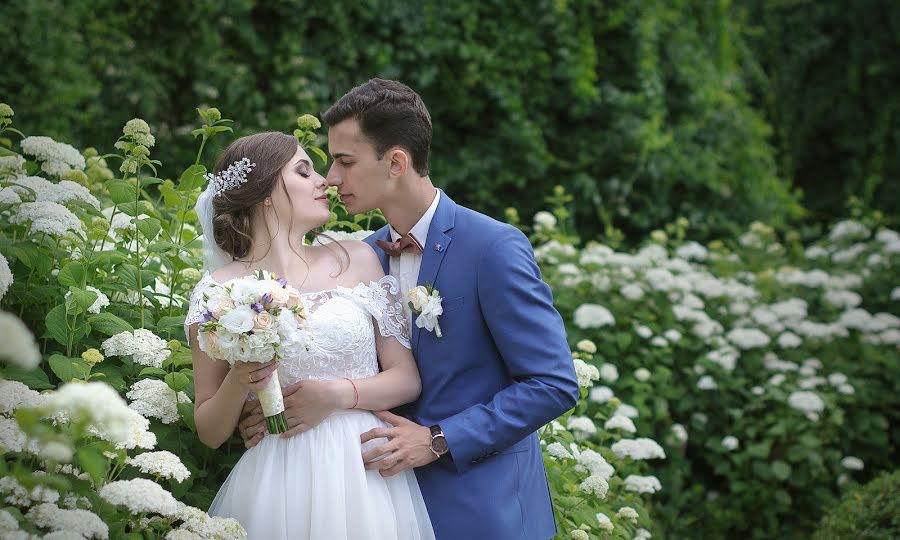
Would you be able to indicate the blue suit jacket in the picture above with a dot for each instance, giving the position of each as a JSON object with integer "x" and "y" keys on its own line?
{"x": 501, "y": 370}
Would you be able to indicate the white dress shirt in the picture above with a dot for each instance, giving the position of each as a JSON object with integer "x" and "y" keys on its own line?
{"x": 406, "y": 267}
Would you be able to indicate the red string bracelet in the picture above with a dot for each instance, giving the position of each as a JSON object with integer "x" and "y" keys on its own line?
{"x": 355, "y": 393}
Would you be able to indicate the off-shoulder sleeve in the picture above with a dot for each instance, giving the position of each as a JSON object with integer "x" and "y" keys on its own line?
{"x": 197, "y": 306}
{"x": 384, "y": 301}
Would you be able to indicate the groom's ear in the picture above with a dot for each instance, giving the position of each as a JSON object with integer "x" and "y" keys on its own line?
{"x": 399, "y": 162}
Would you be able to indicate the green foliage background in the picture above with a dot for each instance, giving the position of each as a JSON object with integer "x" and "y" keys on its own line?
{"x": 645, "y": 110}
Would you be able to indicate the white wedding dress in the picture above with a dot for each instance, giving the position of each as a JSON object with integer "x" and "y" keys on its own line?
{"x": 313, "y": 485}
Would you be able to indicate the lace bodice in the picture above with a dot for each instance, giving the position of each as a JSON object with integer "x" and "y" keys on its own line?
{"x": 340, "y": 324}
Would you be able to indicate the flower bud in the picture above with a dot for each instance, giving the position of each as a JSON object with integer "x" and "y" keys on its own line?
{"x": 213, "y": 115}
{"x": 308, "y": 122}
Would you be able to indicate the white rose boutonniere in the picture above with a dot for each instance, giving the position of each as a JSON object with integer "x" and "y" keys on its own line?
{"x": 425, "y": 301}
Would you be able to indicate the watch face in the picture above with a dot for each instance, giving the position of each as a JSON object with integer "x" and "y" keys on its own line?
{"x": 439, "y": 444}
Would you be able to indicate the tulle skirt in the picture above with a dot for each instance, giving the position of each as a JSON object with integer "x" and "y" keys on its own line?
{"x": 314, "y": 486}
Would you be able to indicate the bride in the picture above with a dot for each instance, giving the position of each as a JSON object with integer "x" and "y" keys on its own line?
{"x": 308, "y": 482}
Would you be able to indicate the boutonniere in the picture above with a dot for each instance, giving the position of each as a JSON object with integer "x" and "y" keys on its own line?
{"x": 425, "y": 301}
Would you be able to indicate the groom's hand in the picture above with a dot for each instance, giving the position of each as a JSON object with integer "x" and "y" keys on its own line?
{"x": 252, "y": 425}
{"x": 408, "y": 446}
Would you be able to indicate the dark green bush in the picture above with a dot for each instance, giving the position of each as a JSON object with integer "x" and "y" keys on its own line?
{"x": 871, "y": 512}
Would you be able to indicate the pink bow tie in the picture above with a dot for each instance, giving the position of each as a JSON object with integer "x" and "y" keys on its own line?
{"x": 406, "y": 244}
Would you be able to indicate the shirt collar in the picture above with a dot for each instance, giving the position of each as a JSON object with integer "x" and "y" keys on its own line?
{"x": 420, "y": 229}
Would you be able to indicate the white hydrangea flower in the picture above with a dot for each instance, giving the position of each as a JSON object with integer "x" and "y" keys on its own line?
{"x": 855, "y": 319}
{"x": 593, "y": 316}
{"x": 629, "y": 513}
{"x": 638, "y": 449}
{"x": 140, "y": 495}
{"x": 620, "y": 422}
{"x": 40, "y": 190}
{"x": 558, "y": 451}
{"x": 758, "y": 390}
{"x": 12, "y": 166}
{"x": 747, "y": 338}
{"x": 706, "y": 382}
{"x": 848, "y": 230}
{"x": 815, "y": 252}
{"x": 184, "y": 534}
{"x": 583, "y": 427}
{"x": 94, "y": 402}
{"x": 642, "y": 534}
{"x": 604, "y": 523}
{"x": 84, "y": 522}
{"x": 730, "y": 443}
{"x": 806, "y": 402}
{"x": 586, "y": 345}
{"x": 846, "y": 389}
{"x": 642, "y": 484}
{"x": 592, "y": 462}
{"x": 12, "y": 438}
{"x": 101, "y": 302}
{"x": 142, "y": 345}
{"x": 9, "y": 196}
{"x": 609, "y": 372}
{"x": 47, "y": 217}
{"x": 578, "y": 534}
{"x": 626, "y": 410}
{"x": 155, "y": 399}
{"x": 8, "y": 522}
{"x": 680, "y": 433}
{"x": 586, "y": 373}
{"x": 789, "y": 340}
{"x": 643, "y": 331}
{"x": 15, "y": 493}
{"x": 601, "y": 394}
{"x": 19, "y": 346}
{"x": 642, "y": 374}
{"x": 692, "y": 251}
{"x": 895, "y": 294}
{"x": 596, "y": 485}
{"x": 6, "y": 276}
{"x": 544, "y": 220}
{"x": 162, "y": 464}
{"x": 632, "y": 291}
{"x": 852, "y": 463}
{"x": 201, "y": 523}
{"x": 57, "y": 158}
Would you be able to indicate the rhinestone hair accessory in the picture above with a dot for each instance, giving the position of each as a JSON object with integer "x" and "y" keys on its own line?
{"x": 230, "y": 178}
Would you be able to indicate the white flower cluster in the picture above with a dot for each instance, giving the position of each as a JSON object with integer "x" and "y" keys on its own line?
{"x": 620, "y": 422}
{"x": 582, "y": 426}
{"x": 210, "y": 527}
{"x": 140, "y": 495}
{"x": 9, "y": 196}
{"x": 637, "y": 449}
{"x": 155, "y": 399}
{"x": 596, "y": 485}
{"x": 47, "y": 217}
{"x": 163, "y": 464}
{"x": 558, "y": 451}
{"x": 730, "y": 443}
{"x": 604, "y": 523}
{"x": 601, "y": 394}
{"x": 748, "y": 338}
{"x": 95, "y": 403}
{"x": 807, "y": 402}
{"x": 82, "y": 522}
{"x": 642, "y": 484}
{"x": 593, "y": 463}
{"x": 14, "y": 493}
{"x": 144, "y": 347}
{"x": 852, "y": 463}
{"x": 101, "y": 302}
{"x": 41, "y": 190}
{"x": 593, "y": 316}
{"x": 609, "y": 372}
{"x": 6, "y": 277}
{"x": 57, "y": 158}
{"x": 19, "y": 347}
{"x": 586, "y": 373}
{"x": 14, "y": 394}
{"x": 12, "y": 166}
{"x": 629, "y": 513}
{"x": 848, "y": 230}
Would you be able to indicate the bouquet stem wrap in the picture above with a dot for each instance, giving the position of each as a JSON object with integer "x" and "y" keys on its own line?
{"x": 272, "y": 402}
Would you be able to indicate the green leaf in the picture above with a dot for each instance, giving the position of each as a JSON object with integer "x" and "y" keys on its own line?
{"x": 152, "y": 371}
{"x": 128, "y": 274}
{"x": 170, "y": 324}
{"x": 781, "y": 470}
{"x": 72, "y": 275}
{"x": 57, "y": 328}
{"x": 319, "y": 153}
{"x": 121, "y": 192}
{"x": 149, "y": 227}
{"x": 112, "y": 375}
{"x": 109, "y": 324}
{"x": 36, "y": 378}
{"x": 68, "y": 369}
{"x": 177, "y": 381}
{"x": 760, "y": 450}
{"x": 192, "y": 178}
{"x": 79, "y": 300}
{"x": 92, "y": 461}
{"x": 186, "y": 410}
{"x": 26, "y": 252}
{"x": 623, "y": 340}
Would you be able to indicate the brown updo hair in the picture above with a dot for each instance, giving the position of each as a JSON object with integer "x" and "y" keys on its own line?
{"x": 234, "y": 209}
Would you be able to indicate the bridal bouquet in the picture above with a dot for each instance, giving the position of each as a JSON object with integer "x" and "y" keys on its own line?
{"x": 255, "y": 318}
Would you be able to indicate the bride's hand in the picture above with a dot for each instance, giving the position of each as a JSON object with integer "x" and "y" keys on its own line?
{"x": 307, "y": 403}
{"x": 252, "y": 375}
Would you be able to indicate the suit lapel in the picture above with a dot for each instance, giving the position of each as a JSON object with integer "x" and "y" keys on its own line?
{"x": 383, "y": 234}
{"x": 434, "y": 250}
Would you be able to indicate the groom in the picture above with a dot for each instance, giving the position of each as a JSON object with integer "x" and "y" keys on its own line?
{"x": 501, "y": 367}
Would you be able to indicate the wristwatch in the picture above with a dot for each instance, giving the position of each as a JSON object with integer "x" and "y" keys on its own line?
{"x": 438, "y": 441}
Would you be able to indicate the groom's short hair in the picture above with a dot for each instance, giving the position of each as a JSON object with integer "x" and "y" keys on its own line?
{"x": 389, "y": 114}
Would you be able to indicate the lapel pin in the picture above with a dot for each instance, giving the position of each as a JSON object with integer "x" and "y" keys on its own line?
{"x": 439, "y": 248}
